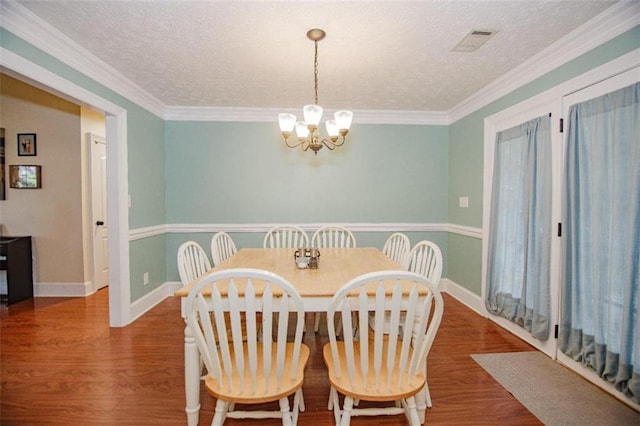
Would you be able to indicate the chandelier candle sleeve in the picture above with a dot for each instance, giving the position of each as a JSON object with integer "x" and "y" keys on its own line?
{"x": 307, "y": 131}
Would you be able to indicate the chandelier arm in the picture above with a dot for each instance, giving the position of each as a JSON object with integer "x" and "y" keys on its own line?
{"x": 340, "y": 141}
{"x": 329, "y": 144}
{"x": 337, "y": 143}
{"x": 286, "y": 141}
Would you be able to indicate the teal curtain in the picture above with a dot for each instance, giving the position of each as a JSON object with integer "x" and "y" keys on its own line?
{"x": 518, "y": 266}
{"x": 601, "y": 214}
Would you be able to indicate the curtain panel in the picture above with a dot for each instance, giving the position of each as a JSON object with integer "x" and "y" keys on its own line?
{"x": 601, "y": 243}
{"x": 518, "y": 267}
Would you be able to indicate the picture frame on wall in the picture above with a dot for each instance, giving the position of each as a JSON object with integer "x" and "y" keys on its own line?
{"x": 26, "y": 144}
{"x": 25, "y": 177}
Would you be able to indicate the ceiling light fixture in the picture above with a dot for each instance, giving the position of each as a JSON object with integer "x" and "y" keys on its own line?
{"x": 307, "y": 130}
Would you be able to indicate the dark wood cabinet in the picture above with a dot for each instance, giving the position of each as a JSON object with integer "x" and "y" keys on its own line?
{"x": 16, "y": 260}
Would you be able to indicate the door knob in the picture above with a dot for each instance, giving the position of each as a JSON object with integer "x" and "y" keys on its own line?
{"x": 99, "y": 223}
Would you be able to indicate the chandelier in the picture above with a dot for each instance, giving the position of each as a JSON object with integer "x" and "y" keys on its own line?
{"x": 307, "y": 130}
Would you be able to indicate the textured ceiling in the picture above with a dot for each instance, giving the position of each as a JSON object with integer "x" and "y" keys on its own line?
{"x": 378, "y": 55}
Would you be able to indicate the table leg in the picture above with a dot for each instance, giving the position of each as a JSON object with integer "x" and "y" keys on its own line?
{"x": 191, "y": 378}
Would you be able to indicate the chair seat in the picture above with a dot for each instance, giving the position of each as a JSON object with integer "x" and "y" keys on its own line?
{"x": 264, "y": 390}
{"x": 365, "y": 388}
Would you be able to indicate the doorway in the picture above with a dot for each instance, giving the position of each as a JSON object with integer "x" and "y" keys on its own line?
{"x": 117, "y": 175}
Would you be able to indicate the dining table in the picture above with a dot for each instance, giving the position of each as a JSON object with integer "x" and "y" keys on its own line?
{"x": 336, "y": 266}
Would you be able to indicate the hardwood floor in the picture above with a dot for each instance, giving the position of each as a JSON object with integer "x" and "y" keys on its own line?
{"x": 62, "y": 364}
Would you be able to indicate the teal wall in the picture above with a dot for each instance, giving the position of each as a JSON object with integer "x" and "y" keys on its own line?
{"x": 145, "y": 139}
{"x": 146, "y": 158}
{"x": 243, "y": 173}
{"x": 466, "y": 145}
{"x": 148, "y": 255}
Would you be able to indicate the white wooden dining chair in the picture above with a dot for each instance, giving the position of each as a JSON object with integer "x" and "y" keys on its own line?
{"x": 425, "y": 258}
{"x": 262, "y": 368}
{"x": 396, "y": 247}
{"x": 376, "y": 366}
{"x": 222, "y": 248}
{"x": 286, "y": 236}
{"x": 333, "y": 237}
{"x": 192, "y": 262}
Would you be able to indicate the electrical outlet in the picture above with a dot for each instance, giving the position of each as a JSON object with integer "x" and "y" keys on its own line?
{"x": 464, "y": 202}
{"x": 145, "y": 278}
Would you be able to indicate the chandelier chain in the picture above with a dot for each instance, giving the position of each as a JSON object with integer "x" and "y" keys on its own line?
{"x": 315, "y": 71}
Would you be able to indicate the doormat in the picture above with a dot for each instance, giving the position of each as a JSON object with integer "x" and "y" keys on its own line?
{"x": 553, "y": 393}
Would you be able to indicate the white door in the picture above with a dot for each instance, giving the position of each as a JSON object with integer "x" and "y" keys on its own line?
{"x": 98, "y": 149}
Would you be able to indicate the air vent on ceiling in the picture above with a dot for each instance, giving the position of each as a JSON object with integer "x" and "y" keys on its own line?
{"x": 472, "y": 41}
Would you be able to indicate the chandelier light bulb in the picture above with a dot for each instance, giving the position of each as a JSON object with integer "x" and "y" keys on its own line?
{"x": 312, "y": 114}
{"x": 287, "y": 122}
{"x": 332, "y": 128}
{"x": 343, "y": 119}
{"x": 302, "y": 130}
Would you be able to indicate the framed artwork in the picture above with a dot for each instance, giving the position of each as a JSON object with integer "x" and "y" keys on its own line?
{"x": 26, "y": 144}
{"x": 25, "y": 177}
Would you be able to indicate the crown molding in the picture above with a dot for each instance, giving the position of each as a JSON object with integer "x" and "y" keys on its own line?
{"x": 32, "y": 29}
{"x": 204, "y": 113}
{"x": 433, "y": 118}
{"x": 612, "y": 22}
{"x": 270, "y": 115}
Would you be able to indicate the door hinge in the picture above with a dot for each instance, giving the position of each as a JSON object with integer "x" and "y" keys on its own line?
{"x": 559, "y": 229}
{"x": 555, "y": 333}
{"x": 561, "y": 125}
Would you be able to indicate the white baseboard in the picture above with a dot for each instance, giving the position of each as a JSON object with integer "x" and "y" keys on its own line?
{"x": 149, "y": 300}
{"x": 63, "y": 289}
{"x": 464, "y": 296}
